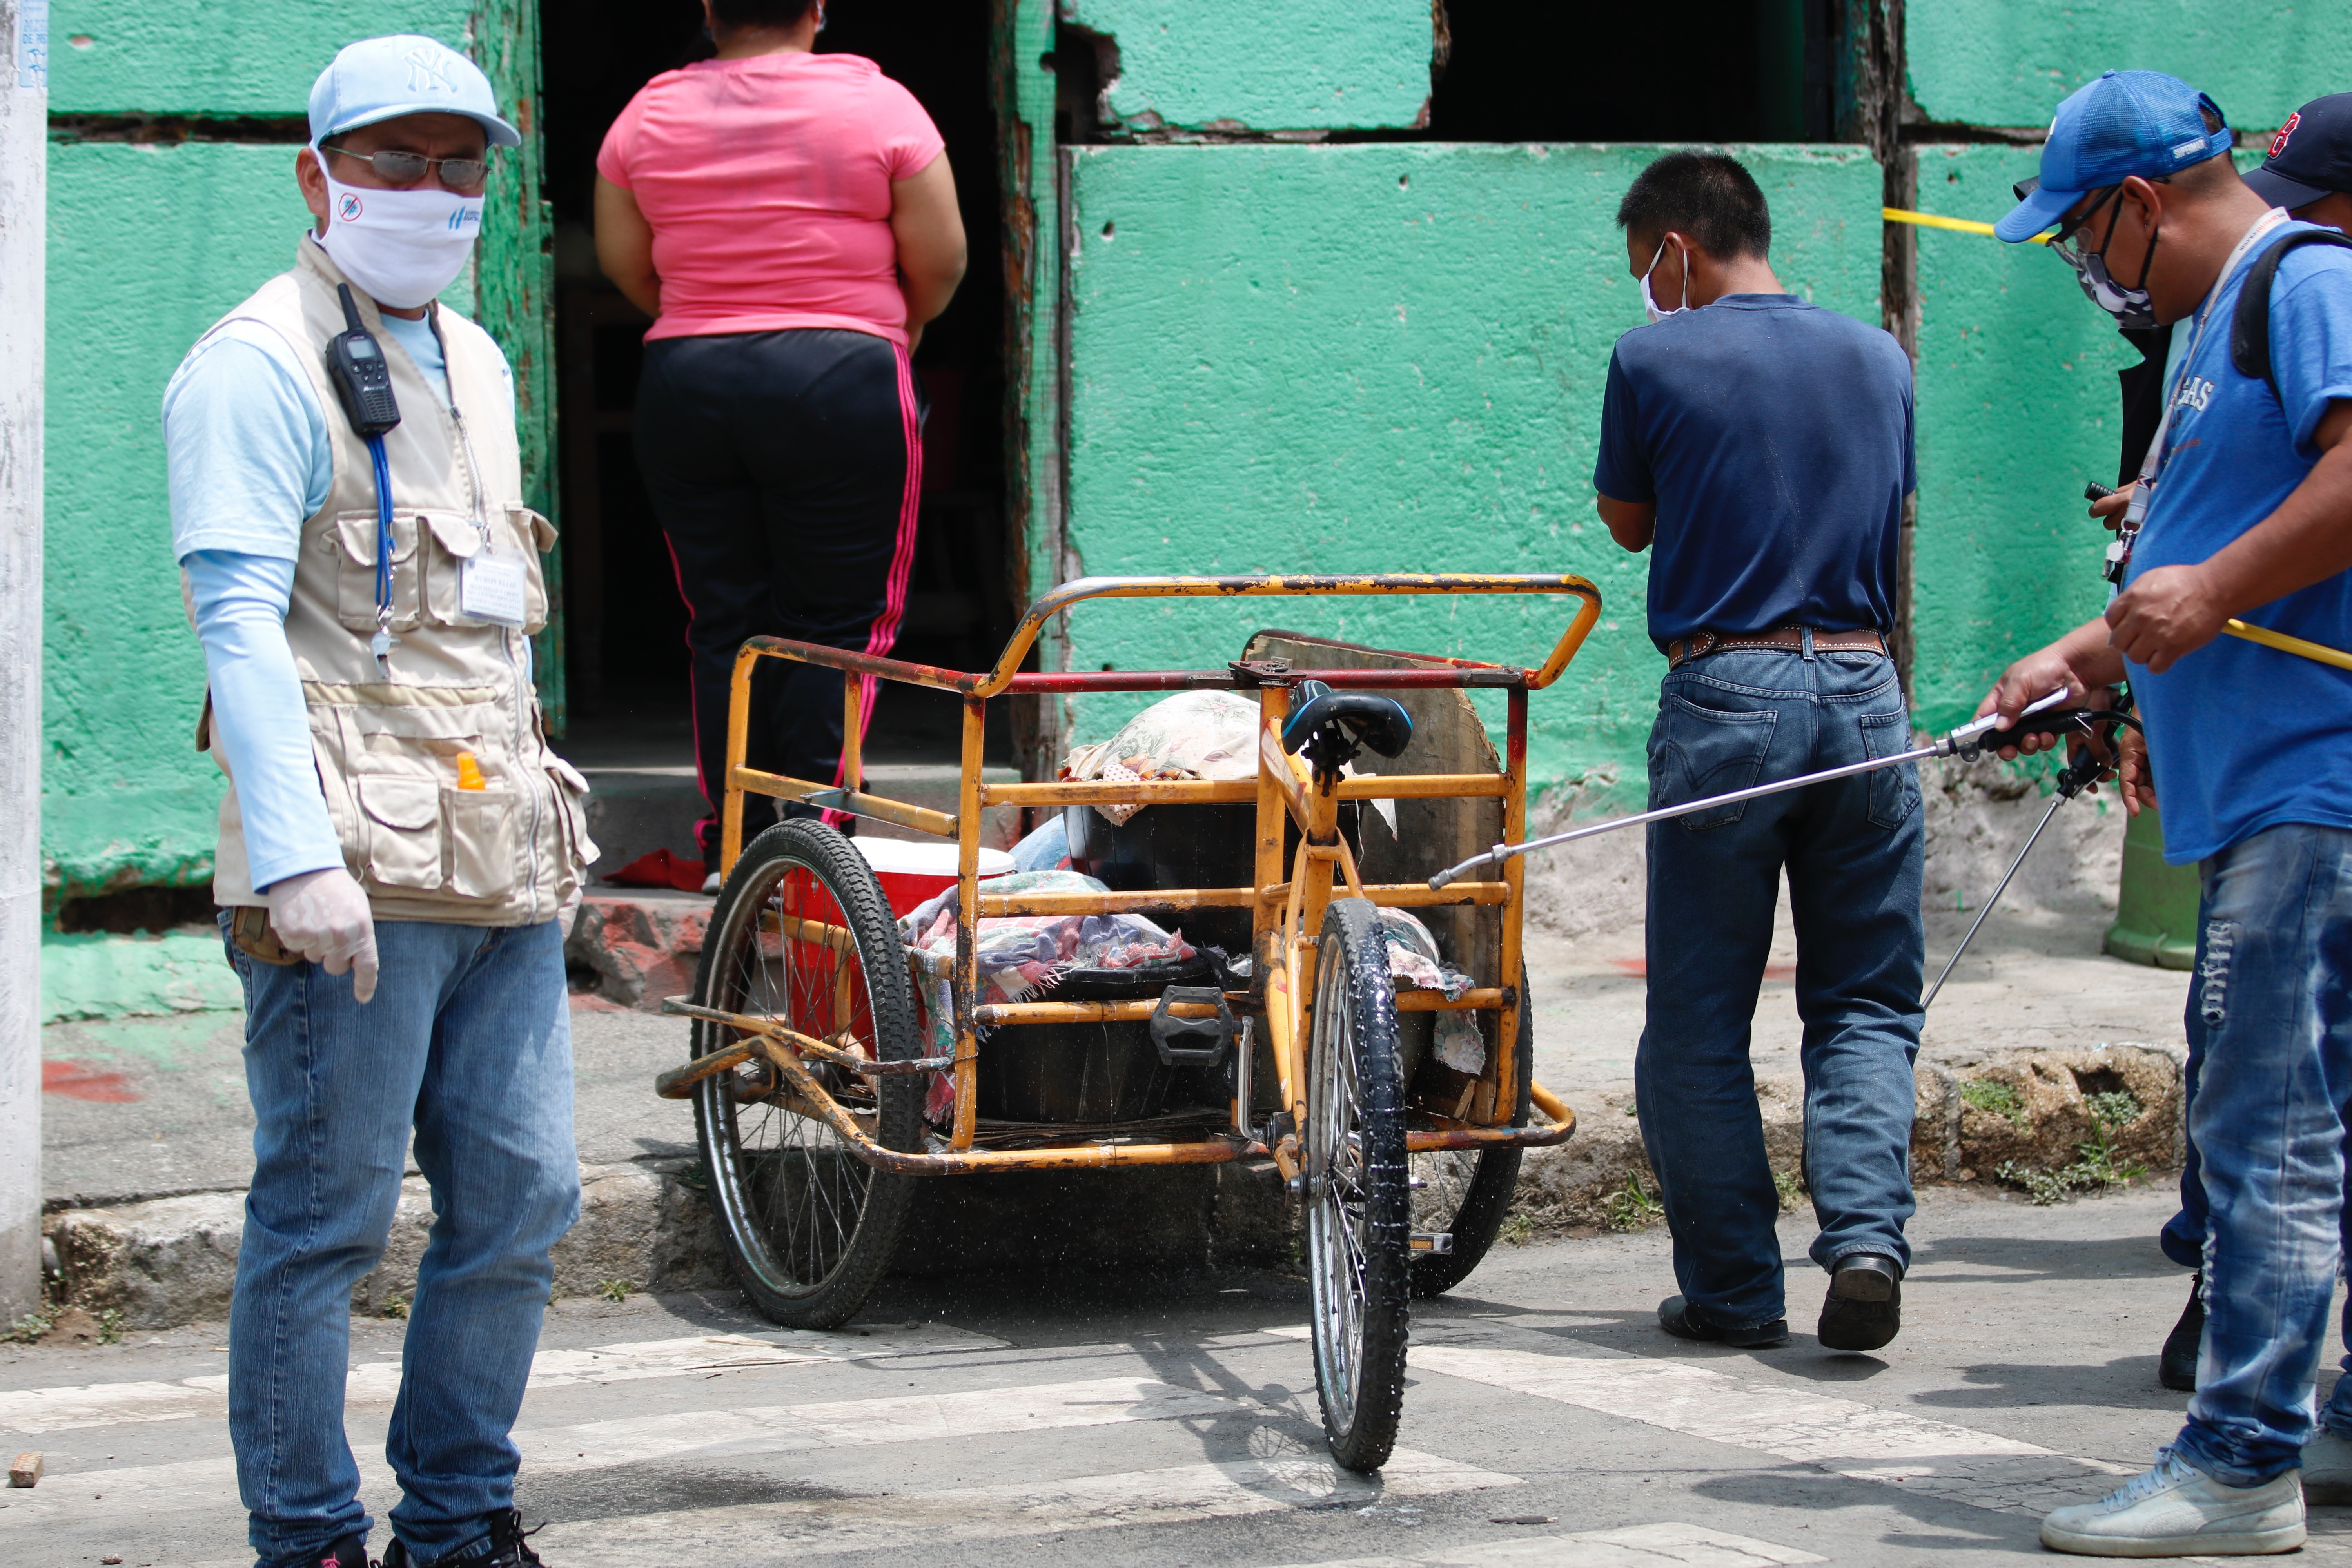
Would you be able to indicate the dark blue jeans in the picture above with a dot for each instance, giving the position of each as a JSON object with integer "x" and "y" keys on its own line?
{"x": 1852, "y": 850}
{"x": 2270, "y": 1032}
{"x": 468, "y": 1041}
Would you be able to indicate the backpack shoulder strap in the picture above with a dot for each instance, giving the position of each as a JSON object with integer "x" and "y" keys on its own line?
{"x": 2249, "y": 324}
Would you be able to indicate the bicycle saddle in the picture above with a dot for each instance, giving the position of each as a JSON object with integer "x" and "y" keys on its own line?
{"x": 1332, "y": 725}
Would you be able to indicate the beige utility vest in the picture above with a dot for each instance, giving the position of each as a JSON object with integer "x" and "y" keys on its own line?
{"x": 386, "y": 743}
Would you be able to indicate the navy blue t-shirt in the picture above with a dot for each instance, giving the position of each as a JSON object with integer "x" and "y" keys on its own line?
{"x": 1775, "y": 438}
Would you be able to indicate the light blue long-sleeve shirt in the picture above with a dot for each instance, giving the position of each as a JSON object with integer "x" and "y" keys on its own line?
{"x": 250, "y": 458}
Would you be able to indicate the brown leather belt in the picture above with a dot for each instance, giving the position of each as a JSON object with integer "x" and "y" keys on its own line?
{"x": 1699, "y": 644}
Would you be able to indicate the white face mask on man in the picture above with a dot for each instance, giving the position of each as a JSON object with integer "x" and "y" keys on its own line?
{"x": 1649, "y": 303}
{"x": 402, "y": 247}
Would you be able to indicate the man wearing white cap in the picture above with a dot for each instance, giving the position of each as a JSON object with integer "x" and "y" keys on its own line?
{"x": 397, "y": 843}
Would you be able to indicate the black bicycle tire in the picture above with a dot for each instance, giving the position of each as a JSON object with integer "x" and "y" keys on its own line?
{"x": 837, "y": 1296}
{"x": 1361, "y": 1435}
{"x": 1478, "y": 1218}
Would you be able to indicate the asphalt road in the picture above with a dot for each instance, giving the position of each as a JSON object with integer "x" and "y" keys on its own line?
{"x": 996, "y": 1419}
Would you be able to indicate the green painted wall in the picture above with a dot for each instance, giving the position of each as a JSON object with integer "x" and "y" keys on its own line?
{"x": 1383, "y": 357}
{"x": 1353, "y": 64}
{"x": 2009, "y": 62}
{"x": 2018, "y": 406}
{"x": 148, "y": 245}
{"x": 222, "y": 58}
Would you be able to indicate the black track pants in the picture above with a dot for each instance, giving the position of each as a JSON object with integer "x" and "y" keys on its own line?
{"x": 786, "y": 469}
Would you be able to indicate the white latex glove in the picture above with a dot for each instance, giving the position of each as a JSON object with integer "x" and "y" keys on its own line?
{"x": 324, "y": 916}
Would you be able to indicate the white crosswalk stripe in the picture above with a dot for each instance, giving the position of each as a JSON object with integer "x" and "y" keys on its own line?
{"x": 1637, "y": 1546}
{"x": 34, "y": 1411}
{"x": 602, "y": 1444}
{"x": 1842, "y": 1437}
{"x": 924, "y": 1521}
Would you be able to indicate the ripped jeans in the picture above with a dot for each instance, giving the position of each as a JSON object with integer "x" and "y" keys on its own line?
{"x": 2270, "y": 1018}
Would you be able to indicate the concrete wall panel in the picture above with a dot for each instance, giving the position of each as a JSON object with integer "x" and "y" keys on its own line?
{"x": 2009, "y": 62}
{"x": 217, "y": 57}
{"x": 148, "y": 245}
{"x": 1382, "y": 358}
{"x": 1312, "y": 65}
{"x": 2017, "y": 406}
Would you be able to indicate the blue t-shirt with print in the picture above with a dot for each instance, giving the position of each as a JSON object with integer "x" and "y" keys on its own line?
{"x": 2244, "y": 737}
{"x": 1776, "y": 438}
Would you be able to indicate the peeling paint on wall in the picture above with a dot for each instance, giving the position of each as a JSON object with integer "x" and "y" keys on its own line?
{"x": 1383, "y": 357}
{"x": 1312, "y": 65}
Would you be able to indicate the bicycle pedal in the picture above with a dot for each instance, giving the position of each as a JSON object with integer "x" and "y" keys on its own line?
{"x": 1438, "y": 1243}
{"x": 1416, "y": 1182}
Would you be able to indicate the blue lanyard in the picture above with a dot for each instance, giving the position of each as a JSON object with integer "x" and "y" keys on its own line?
{"x": 380, "y": 644}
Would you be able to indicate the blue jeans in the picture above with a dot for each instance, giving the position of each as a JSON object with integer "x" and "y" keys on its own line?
{"x": 469, "y": 1039}
{"x": 1852, "y": 850}
{"x": 2269, "y": 1022}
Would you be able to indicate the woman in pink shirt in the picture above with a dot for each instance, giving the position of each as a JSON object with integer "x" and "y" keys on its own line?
{"x": 789, "y": 220}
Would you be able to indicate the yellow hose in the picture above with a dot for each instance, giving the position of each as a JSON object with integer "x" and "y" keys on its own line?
{"x": 1957, "y": 225}
{"x": 2286, "y": 644}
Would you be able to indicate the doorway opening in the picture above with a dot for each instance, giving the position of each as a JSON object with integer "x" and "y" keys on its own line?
{"x": 625, "y": 623}
{"x": 1719, "y": 70}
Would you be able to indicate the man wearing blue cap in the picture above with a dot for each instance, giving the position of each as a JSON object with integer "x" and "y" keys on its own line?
{"x": 397, "y": 843}
{"x": 2243, "y": 509}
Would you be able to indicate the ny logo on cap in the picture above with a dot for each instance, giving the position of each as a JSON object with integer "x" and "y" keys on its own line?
{"x": 429, "y": 69}
{"x": 2278, "y": 143}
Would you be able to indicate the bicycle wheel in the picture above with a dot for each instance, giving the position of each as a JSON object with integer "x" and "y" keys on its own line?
{"x": 1358, "y": 1215}
{"x": 809, "y": 1226}
{"x": 1467, "y": 1192}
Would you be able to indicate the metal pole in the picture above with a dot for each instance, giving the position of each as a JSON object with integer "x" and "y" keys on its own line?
{"x": 24, "y": 202}
{"x": 1954, "y": 962}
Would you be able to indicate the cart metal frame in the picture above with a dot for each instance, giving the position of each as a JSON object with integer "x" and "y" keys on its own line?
{"x": 1287, "y": 904}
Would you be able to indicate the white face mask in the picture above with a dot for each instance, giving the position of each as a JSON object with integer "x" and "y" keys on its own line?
{"x": 401, "y": 246}
{"x": 1650, "y": 304}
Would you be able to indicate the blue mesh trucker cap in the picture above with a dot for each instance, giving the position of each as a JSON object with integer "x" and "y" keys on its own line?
{"x": 2126, "y": 122}
{"x": 384, "y": 79}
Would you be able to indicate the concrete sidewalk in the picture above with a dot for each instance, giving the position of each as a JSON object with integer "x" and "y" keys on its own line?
{"x": 146, "y": 1119}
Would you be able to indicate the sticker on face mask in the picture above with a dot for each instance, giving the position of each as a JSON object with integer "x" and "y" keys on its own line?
{"x": 491, "y": 588}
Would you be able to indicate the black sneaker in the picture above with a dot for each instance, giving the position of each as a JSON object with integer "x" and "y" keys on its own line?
{"x": 505, "y": 1547}
{"x": 351, "y": 1552}
{"x": 1863, "y": 1310}
{"x": 1678, "y": 1318}
{"x": 2176, "y": 1368}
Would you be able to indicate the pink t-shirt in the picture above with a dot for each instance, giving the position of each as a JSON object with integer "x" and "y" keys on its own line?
{"x": 767, "y": 182}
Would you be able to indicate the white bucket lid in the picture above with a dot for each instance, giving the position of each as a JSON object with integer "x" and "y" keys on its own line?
{"x": 926, "y": 860}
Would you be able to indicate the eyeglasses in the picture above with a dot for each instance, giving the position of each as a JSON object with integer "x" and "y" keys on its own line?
{"x": 2067, "y": 243}
{"x": 400, "y": 170}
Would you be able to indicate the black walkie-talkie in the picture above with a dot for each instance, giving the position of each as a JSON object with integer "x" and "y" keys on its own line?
{"x": 362, "y": 380}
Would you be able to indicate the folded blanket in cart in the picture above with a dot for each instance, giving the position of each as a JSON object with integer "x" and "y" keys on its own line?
{"x": 1191, "y": 735}
{"x": 1022, "y": 955}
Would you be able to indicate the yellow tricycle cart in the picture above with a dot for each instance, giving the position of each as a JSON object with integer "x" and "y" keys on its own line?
{"x": 811, "y": 1069}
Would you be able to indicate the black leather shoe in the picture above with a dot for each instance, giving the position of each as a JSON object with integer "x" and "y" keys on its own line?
{"x": 351, "y": 1552}
{"x": 1677, "y": 1316}
{"x": 1863, "y": 1310}
{"x": 505, "y": 1547}
{"x": 2176, "y": 1368}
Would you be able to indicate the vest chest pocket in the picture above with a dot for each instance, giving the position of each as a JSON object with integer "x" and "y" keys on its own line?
{"x": 351, "y": 539}
{"x": 533, "y": 536}
{"x": 452, "y": 540}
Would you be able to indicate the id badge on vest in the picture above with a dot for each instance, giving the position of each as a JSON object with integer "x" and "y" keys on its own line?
{"x": 491, "y": 588}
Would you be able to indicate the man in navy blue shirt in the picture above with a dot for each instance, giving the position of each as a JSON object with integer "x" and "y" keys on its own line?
{"x": 2245, "y": 507}
{"x": 1761, "y": 447}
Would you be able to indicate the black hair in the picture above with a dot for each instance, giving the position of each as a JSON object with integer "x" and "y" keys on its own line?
{"x": 761, "y": 13}
{"x": 1710, "y": 197}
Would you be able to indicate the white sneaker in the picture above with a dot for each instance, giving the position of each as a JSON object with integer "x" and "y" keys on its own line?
{"x": 710, "y": 883}
{"x": 2327, "y": 1470}
{"x": 2178, "y": 1510}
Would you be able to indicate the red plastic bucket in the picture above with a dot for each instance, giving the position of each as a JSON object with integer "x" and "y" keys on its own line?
{"x": 912, "y": 872}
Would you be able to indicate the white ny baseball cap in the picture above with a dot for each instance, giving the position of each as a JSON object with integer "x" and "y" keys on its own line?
{"x": 384, "y": 79}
